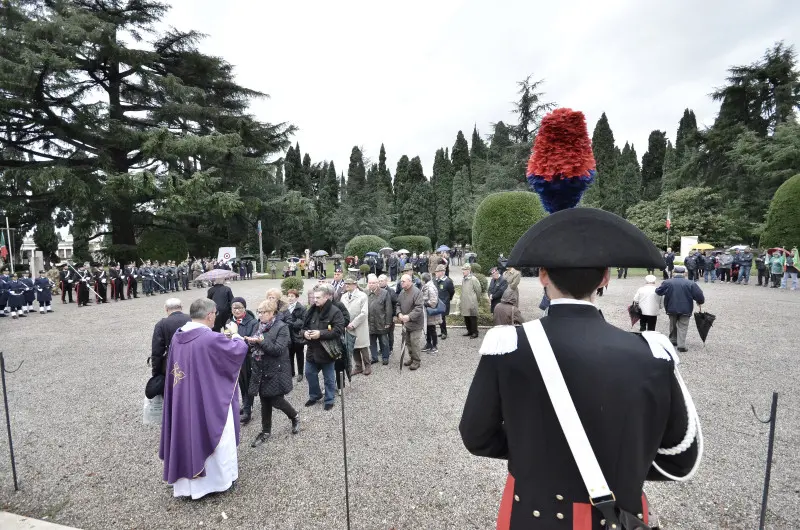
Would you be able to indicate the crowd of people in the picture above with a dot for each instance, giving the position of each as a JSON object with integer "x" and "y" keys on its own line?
{"x": 776, "y": 267}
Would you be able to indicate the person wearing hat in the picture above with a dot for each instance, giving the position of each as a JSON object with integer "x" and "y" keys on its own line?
{"x": 408, "y": 268}
{"x": 468, "y": 304}
{"x": 44, "y": 292}
{"x": 29, "y": 294}
{"x": 81, "y": 279}
{"x": 337, "y": 284}
{"x": 446, "y": 292}
{"x": 4, "y": 281}
{"x": 679, "y": 297}
{"x": 626, "y": 410}
{"x": 649, "y": 304}
{"x": 65, "y": 283}
{"x": 16, "y": 297}
{"x": 245, "y": 323}
{"x": 357, "y": 330}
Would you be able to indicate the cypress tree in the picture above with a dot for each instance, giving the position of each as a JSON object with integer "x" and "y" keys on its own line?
{"x": 478, "y": 150}
{"x": 441, "y": 191}
{"x": 356, "y": 176}
{"x": 501, "y": 143}
{"x": 310, "y": 181}
{"x": 401, "y": 191}
{"x": 384, "y": 177}
{"x": 600, "y": 194}
{"x": 687, "y": 137}
{"x": 630, "y": 181}
{"x": 462, "y": 207}
{"x": 669, "y": 181}
{"x": 342, "y": 189}
{"x": 653, "y": 165}
{"x": 460, "y": 153}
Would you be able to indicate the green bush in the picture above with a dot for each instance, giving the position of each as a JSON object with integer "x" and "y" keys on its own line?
{"x": 484, "y": 281}
{"x": 162, "y": 245}
{"x": 360, "y": 245}
{"x": 412, "y": 243}
{"x": 500, "y": 220}
{"x": 292, "y": 282}
{"x": 476, "y": 268}
{"x": 783, "y": 218}
{"x": 364, "y": 269}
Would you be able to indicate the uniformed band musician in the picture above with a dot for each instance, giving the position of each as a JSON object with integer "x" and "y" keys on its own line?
{"x": 630, "y": 400}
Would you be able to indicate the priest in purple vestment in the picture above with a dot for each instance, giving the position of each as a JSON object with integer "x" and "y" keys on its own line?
{"x": 200, "y": 427}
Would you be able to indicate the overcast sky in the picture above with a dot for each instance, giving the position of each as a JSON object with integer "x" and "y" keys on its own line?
{"x": 411, "y": 74}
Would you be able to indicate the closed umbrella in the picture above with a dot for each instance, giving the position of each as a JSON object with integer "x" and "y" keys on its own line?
{"x": 704, "y": 321}
{"x": 635, "y": 313}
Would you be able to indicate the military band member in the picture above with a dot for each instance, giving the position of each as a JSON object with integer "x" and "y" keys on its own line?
{"x": 183, "y": 276}
{"x": 117, "y": 279}
{"x": 29, "y": 293}
{"x": 628, "y": 394}
{"x": 171, "y": 273}
{"x": 161, "y": 278}
{"x": 44, "y": 292}
{"x": 5, "y": 279}
{"x": 65, "y": 283}
{"x": 147, "y": 278}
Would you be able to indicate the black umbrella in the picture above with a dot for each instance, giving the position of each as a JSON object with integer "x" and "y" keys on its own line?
{"x": 635, "y": 313}
{"x": 704, "y": 322}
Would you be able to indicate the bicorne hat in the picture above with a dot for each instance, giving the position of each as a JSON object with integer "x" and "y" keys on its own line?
{"x": 560, "y": 170}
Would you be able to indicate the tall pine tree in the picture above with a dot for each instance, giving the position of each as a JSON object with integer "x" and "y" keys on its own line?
{"x": 460, "y": 153}
{"x": 630, "y": 190}
{"x": 462, "y": 207}
{"x": 653, "y": 165}
{"x": 478, "y": 149}
{"x": 687, "y": 137}
{"x": 501, "y": 143}
{"x": 384, "y": 177}
{"x": 669, "y": 180}
{"x": 401, "y": 191}
{"x": 356, "y": 177}
{"x": 607, "y": 179}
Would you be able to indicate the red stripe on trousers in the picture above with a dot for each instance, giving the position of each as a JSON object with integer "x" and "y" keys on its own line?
{"x": 645, "y": 509}
{"x": 506, "y": 505}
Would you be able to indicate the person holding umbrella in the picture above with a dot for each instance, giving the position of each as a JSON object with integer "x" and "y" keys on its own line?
{"x": 679, "y": 295}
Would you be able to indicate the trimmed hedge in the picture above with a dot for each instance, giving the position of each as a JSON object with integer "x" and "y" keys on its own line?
{"x": 292, "y": 282}
{"x": 412, "y": 243}
{"x": 783, "y": 218}
{"x": 360, "y": 245}
{"x": 500, "y": 220}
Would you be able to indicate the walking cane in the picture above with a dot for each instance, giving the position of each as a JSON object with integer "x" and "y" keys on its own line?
{"x": 340, "y": 377}
{"x": 3, "y": 372}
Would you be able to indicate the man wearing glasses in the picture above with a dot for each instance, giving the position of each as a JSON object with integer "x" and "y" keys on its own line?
{"x": 324, "y": 322}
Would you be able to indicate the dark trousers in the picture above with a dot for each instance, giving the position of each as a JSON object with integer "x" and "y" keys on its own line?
{"x": 622, "y": 273}
{"x": 66, "y": 290}
{"x": 431, "y": 340}
{"x": 443, "y": 325}
{"x": 296, "y": 355}
{"x": 391, "y": 337}
{"x": 280, "y": 403}
{"x": 244, "y": 383}
{"x": 83, "y": 293}
{"x": 648, "y": 323}
{"x": 221, "y": 319}
{"x": 133, "y": 287}
{"x": 119, "y": 292}
{"x": 472, "y": 325}
{"x": 724, "y": 275}
{"x": 762, "y": 274}
{"x": 776, "y": 280}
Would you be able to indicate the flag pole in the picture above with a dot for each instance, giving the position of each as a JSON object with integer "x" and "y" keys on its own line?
{"x": 10, "y": 249}
{"x": 260, "y": 247}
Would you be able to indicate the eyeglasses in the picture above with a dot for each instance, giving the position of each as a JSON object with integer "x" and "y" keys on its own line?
{"x": 237, "y": 308}
{"x": 262, "y": 312}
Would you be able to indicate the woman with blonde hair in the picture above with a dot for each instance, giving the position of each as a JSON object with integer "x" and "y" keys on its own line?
{"x": 275, "y": 294}
{"x": 271, "y": 378}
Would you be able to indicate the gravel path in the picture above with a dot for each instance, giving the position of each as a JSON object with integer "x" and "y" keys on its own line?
{"x": 85, "y": 459}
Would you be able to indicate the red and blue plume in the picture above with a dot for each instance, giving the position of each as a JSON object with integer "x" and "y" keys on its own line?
{"x": 562, "y": 165}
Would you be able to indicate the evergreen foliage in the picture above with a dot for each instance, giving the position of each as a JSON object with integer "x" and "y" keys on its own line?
{"x": 530, "y": 108}
{"x": 292, "y": 282}
{"x": 360, "y": 245}
{"x": 412, "y": 243}
{"x": 478, "y": 149}
{"x": 653, "y": 165}
{"x": 783, "y": 220}
{"x": 463, "y": 207}
{"x": 500, "y": 220}
{"x": 460, "y": 153}
{"x": 606, "y": 180}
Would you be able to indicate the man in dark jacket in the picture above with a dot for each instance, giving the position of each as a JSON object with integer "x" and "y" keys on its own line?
{"x": 380, "y": 315}
{"x": 763, "y": 270}
{"x": 246, "y": 324}
{"x": 323, "y": 322}
{"x": 669, "y": 263}
{"x": 446, "y": 292}
{"x": 679, "y": 297}
{"x": 497, "y": 287}
{"x": 745, "y": 261}
{"x": 223, "y": 297}
{"x": 383, "y": 283}
{"x": 690, "y": 264}
{"x": 163, "y": 332}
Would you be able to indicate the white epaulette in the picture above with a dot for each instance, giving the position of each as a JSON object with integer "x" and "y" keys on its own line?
{"x": 660, "y": 346}
{"x": 499, "y": 340}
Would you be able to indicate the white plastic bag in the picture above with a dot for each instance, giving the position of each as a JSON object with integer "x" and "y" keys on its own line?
{"x": 153, "y": 410}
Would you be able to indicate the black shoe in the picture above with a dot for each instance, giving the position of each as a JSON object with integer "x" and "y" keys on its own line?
{"x": 311, "y": 402}
{"x": 474, "y": 336}
{"x": 443, "y": 336}
{"x": 328, "y": 406}
{"x": 260, "y": 439}
{"x": 245, "y": 419}
{"x": 296, "y": 424}
{"x": 385, "y": 362}
{"x": 467, "y": 334}
{"x": 373, "y": 361}
{"x": 683, "y": 350}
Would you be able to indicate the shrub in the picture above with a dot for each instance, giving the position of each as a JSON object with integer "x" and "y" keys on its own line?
{"x": 364, "y": 269}
{"x": 411, "y": 243}
{"x": 783, "y": 218}
{"x": 476, "y": 268}
{"x": 484, "y": 281}
{"x": 500, "y": 220}
{"x": 163, "y": 245}
{"x": 360, "y": 245}
{"x": 292, "y": 282}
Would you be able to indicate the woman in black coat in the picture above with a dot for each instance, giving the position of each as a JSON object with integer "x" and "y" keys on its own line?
{"x": 294, "y": 316}
{"x": 246, "y": 326}
{"x": 271, "y": 378}
{"x": 223, "y": 297}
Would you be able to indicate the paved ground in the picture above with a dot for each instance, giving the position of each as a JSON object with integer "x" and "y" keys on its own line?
{"x": 85, "y": 459}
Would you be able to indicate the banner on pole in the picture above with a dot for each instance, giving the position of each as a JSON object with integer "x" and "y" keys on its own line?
{"x": 226, "y": 253}
{"x": 669, "y": 220}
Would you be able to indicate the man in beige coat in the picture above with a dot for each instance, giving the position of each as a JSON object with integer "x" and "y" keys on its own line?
{"x": 357, "y": 331}
{"x": 468, "y": 305}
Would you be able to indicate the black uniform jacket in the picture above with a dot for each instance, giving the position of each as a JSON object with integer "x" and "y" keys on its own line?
{"x": 162, "y": 337}
{"x": 628, "y": 400}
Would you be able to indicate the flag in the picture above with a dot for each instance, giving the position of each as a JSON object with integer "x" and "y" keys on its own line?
{"x": 3, "y": 249}
{"x": 669, "y": 221}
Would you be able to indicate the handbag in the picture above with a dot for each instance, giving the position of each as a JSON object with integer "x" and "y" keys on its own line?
{"x": 438, "y": 310}
{"x": 600, "y": 496}
{"x": 333, "y": 347}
